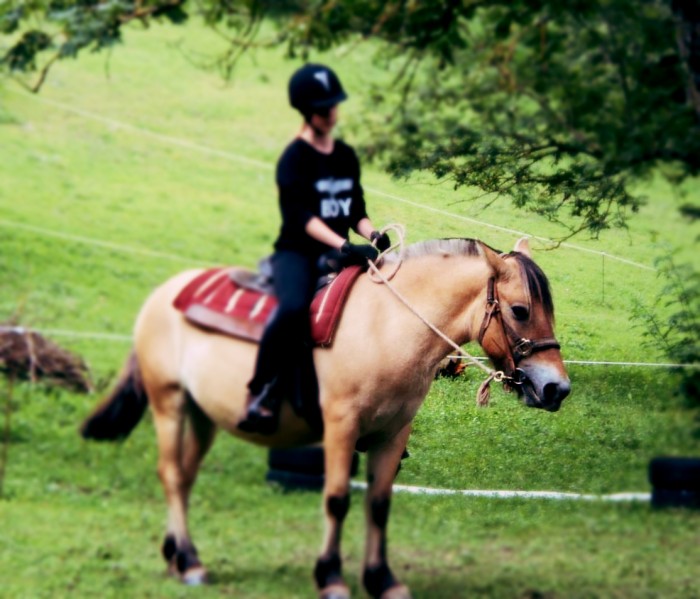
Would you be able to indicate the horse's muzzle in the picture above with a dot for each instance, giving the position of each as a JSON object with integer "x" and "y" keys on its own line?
{"x": 547, "y": 397}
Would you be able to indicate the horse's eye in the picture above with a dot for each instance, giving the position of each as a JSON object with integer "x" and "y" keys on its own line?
{"x": 520, "y": 312}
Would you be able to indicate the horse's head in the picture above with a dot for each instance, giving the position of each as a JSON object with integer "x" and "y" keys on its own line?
{"x": 517, "y": 332}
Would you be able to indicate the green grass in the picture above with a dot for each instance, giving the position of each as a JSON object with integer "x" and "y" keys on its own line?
{"x": 81, "y": 519}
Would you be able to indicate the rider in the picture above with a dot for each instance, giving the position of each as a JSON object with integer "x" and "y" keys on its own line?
{"x": 321, "y": 199}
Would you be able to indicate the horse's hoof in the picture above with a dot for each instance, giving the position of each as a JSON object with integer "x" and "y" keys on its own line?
{"x": 334, "y": 591}
{"x": 195, "y": 577}
{"x": 400, "y": 591}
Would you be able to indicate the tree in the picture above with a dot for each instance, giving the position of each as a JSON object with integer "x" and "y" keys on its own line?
{"x": 559, "y": 105}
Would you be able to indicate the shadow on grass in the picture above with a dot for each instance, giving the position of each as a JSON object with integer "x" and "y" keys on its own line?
{"x": 298, "y": 582}
{"x": 456, "y": 586}
{"x": 287, "y": 580}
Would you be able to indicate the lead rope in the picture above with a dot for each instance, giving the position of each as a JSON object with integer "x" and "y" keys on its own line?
{"x": 484, "y": 392}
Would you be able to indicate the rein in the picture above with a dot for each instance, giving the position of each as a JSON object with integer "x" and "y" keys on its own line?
{"x": 483, "y": 394}
{"x": 520, "y": 348}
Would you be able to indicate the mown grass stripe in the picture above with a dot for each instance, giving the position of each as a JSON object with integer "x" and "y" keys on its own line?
{"x": 268, "y": 166}
{"x": 97, "y": 242}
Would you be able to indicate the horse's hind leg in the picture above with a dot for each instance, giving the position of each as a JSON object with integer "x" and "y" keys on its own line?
{"x": 184, "y": 436}
{"x": 382, "y": 464}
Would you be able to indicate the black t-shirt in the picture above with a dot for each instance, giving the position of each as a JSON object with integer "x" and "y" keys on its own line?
{"x": 315, "y": 184}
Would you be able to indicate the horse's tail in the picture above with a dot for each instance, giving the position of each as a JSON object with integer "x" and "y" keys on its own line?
{"x": 117, "y": 415}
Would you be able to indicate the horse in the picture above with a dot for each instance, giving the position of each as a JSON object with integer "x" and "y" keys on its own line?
{"x": 371, "y": 380}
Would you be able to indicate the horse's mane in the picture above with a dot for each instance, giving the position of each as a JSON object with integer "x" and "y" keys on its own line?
{"x": 452, "y": 247}
{"x": 536, "y": 279}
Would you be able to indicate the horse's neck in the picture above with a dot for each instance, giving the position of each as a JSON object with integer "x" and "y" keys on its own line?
{"x": 446, "y": 290}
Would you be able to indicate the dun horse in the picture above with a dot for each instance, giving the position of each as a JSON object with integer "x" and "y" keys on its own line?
{"x": 372, "y": 380}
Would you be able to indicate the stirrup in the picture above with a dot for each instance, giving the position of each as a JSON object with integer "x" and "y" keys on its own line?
{"x": 262, "y": 414}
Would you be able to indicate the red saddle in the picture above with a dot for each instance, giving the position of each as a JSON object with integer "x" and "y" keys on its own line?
{"x": 214, "y": 301}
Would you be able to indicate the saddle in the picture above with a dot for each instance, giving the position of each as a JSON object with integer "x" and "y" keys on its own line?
{"x": 238, "y": 302}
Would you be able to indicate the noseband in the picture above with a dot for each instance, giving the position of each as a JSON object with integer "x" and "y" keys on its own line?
{"x": 519, "y": 347}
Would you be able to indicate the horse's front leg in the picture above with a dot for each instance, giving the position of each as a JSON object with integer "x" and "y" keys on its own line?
{"x": 382, "y": 464}
{"x": 340, "y": 436}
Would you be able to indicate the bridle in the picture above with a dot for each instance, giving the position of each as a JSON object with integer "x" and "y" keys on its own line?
{"x": 519, "y": 347}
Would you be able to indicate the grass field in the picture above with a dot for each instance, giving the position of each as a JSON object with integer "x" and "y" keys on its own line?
{"x": 129, "y": 169}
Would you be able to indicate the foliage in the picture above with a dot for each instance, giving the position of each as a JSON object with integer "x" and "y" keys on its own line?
{"x": 62, "y": 29}
{"x": 560, "y": 106}
{"x": 678, "y": 333}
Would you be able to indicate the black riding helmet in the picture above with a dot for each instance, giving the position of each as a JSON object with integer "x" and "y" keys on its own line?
{"x": 315, "y": 86}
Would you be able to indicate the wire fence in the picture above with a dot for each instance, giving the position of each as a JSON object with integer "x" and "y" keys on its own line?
{"x": 167, "y": 139}
{"x": 124, "y": 338}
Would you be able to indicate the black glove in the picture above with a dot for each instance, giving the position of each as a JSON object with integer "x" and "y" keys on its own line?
{"x": 381, "y": 240}
{"x": 359, "y": 252}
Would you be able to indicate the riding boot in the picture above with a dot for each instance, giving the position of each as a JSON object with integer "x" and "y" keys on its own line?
{"x": 263, "y": 411}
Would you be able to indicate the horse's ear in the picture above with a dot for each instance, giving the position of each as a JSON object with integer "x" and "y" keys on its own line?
{"x": 523, "y": 246}
{"x": 494, "y": 259}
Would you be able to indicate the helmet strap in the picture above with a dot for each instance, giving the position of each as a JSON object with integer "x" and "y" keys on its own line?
{"x": 317, "y": 132}
{"x": 308, "y": 116}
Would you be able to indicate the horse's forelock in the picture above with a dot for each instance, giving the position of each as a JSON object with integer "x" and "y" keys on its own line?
{"x": 537, "y": 282}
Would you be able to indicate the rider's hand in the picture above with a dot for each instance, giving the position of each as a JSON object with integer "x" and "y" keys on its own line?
{"x": 380, "y": 240}
{"x": 361, "y": 252}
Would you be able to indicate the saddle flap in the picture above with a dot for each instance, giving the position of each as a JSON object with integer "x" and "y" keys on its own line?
{"x": 328, "y": 305}
{"x": 229, "y": 301}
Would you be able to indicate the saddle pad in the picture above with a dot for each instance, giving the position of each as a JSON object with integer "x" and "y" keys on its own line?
{"x": 212, "y": 300}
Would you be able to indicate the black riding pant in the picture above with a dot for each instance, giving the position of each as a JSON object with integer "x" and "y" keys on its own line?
{"x": 287, "y": 336}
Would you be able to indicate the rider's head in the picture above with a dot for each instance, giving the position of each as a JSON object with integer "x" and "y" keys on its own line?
{"x": 315, "y": 89}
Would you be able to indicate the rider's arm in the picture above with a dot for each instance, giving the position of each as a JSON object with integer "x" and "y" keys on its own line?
{"x": 320, "y": 231}
{"x": 365, "y": 228}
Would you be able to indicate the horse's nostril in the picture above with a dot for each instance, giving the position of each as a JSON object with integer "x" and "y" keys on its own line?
{"x": 554, "y": 393}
